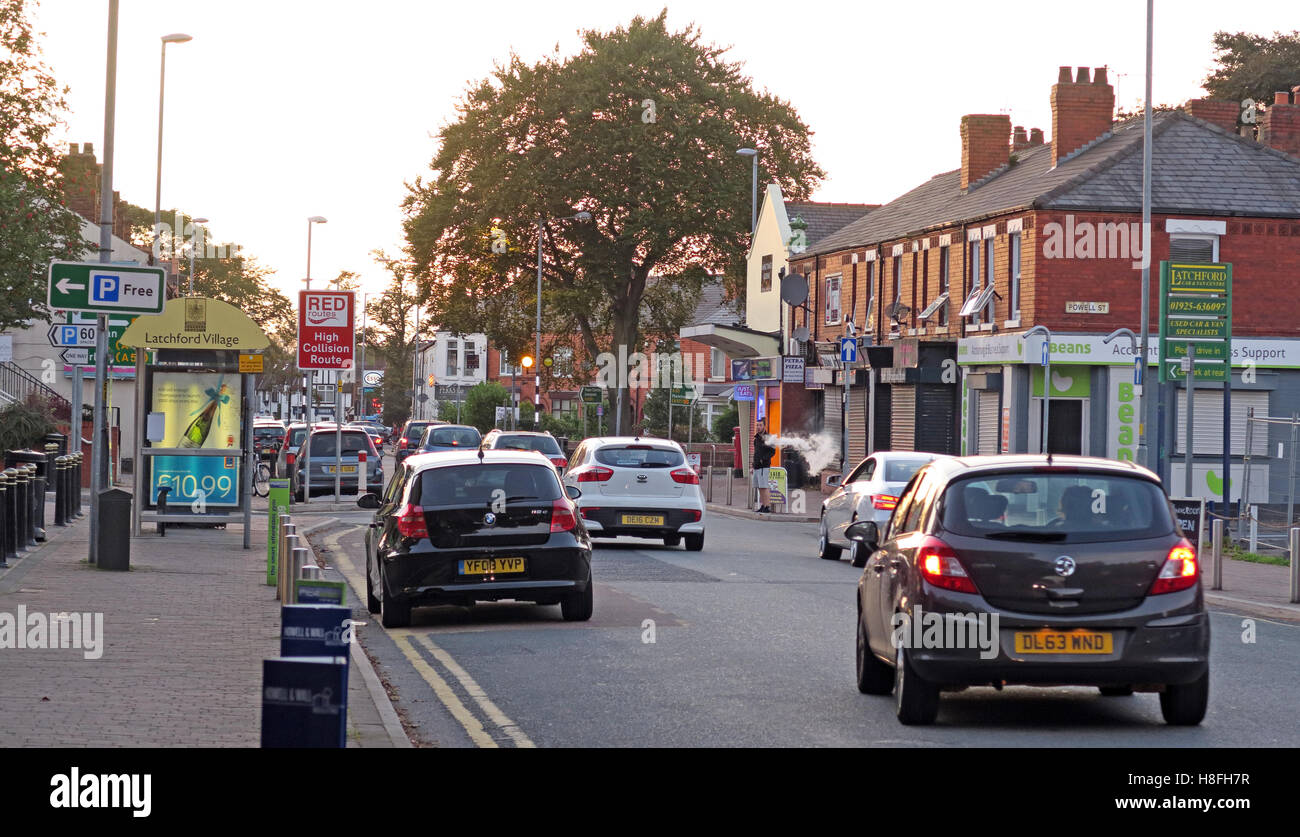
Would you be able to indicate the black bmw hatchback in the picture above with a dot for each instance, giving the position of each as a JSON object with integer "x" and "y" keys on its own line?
{"x": 1029, "y": 570}
{"x": 482, "y": 525}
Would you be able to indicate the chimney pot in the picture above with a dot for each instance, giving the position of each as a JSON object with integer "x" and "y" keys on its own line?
{"x": 1082, "y": 77}
{"x": 1099, "y": 76}
{"x": 1282, "y": 97}
{"x": 1036, "y": 136}
{"x": 1280, "y": 127}
{"x": 88, "y": 148}
{"x": 72, "y": 149}
{"x": 1063, "y": 77}
{"x": 1019, "y": 138}
{"x": 1296, "y": 91}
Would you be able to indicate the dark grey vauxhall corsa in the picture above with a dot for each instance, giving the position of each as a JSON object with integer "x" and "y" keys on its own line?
{"x": 1032, "y": 570}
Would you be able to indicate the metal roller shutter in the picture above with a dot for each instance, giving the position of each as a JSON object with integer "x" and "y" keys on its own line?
{"x": 902, "y": 433}
{"x": 858, "y": 423}
{"x": 832, "y": 423}
{"x": 987, "y": 422}
{"x": 936, "y": 418}
{"x": 1207, "y": 429}
{"x": 884, "y": 410}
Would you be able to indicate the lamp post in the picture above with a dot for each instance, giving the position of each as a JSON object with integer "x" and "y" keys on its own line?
{"x": 194, "y": 240}
{"x": 1047, "y": 380}
{"x": 177, "y": 38}
{"x": 537, "y": 380}
{"x": 752, "y": 153}
{"x": 311, "y": 379}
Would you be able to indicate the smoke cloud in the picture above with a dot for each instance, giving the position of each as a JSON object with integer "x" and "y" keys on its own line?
{"x": 818, "y": 451}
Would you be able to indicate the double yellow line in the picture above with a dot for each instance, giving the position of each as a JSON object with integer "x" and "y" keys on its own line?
{"x": 441, "y": 688}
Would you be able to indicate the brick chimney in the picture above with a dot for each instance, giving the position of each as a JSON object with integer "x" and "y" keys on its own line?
{"x": 1280, "y": 127}
{"x": 1019, "y": 138}
{"x": 1219, "y": 112}
{"x": 985, "y": 145}
{"x": 1036, "y": 136}
{"x": 81, "y": 180}
{"x": 1082, "y": 110}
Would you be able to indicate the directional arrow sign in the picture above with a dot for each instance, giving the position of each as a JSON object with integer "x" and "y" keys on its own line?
{"x": 106, "y": 288}
{"x": 73, "y": 335}
{"x": 76, "y": 357}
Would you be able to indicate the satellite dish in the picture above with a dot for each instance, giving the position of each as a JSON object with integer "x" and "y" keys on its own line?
{"x": 794, "y": 289}
{"x": 801, "y": 334}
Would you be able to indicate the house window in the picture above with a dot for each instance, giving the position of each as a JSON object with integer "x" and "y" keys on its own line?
{"x": 975, "y": 287}
{"x": 453, "y": 357}
{"x": 871, "y": 296}
{"x": 988, "y": 271}
{"x": 471, "y": 357}
{"x": 898, "y": 278}
{"x": 562, "y": 362}
{"x": 1197, "y": 249}
{"x": 832, "y": 300}
{"x": 717, "y": 363}
{"x": 766, "y": 284}
{"x": 943, "y": 284}
{"x": 504, "y": 368}
{"x": 1014, "y": 284}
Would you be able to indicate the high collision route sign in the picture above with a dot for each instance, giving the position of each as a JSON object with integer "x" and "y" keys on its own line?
{"x": 106, "y": 288}
{"x": 326, "y": 329}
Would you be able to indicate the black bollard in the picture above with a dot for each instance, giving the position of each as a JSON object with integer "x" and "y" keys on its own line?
{"x": 60, "y": 491}
{"x": 33, "y": 496}
{"x": 4, "y": 520}
{"x": 14, "y": 509}
{"x": 24, "y": 506}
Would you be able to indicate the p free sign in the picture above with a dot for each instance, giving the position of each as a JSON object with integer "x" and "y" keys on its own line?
{"x": 326, "y": 331}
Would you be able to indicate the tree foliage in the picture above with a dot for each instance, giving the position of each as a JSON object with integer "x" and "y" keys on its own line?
{"x": 641, "y": 130}
{"x": 390, "y": 333}
{"x": 35, "y": 225}
{"x": 1249, "y": 66}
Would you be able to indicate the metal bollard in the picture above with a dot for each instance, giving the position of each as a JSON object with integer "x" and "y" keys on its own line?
{"x": 708, "y": 488}
{"x": 284, "y": 521}
{"x": 310, "y": 571}
{"x": 76, "y": 488}
{"x": 1295, "y": 565}
{"x": 1216, "y": 554}
{"x": 361, "y": 474}
{"x": 1254, "y": 528}
{"x": 60, "y": 498}
{"x": 731, "y": 484}
{"x": 301, "y": 555}
{"x": 286, "y": 567}
{"x": 10, "y": 532}
{"x": 4, "y": 521}
{"x": 32, "y": 492}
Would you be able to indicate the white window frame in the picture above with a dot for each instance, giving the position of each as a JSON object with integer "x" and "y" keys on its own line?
{"x": 1185, "y": 236}
{"x": 837, "y": 296}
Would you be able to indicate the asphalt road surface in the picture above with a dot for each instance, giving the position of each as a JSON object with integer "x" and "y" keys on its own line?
{"x": 750, "y": 643}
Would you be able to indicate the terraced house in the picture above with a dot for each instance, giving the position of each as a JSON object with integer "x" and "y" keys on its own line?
{"x": 944, "y": 281}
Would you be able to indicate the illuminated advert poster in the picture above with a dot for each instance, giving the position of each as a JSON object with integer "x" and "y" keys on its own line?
{"x": 202, "y": 411}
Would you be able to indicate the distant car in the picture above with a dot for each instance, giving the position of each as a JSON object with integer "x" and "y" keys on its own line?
{"x": 408, "y": 438}
{"x": 322, "y": 461}
{"x": 293, "y": 438}
{"x": 543, "y": 443}
{"x": 640, "y": 487}
{"x": 439, "y": 437}
{"x": 1079, "y": 559}
{"x": 376, "y": 431}
{"x": 870, "y": 492}
{"x": 268, "y": 438}
{"x": 459, "y": 527}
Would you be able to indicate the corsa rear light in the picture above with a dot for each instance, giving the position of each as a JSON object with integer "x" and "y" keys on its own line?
{"x": 562, "y": 517}
{"x": 1180, "y": 570}
{"x": 939, "y": 566}
{"x": 685, "y": 476}
{"x": 886, "y": 502}
{"x": 410, "y": 522}
{"x": 594, "y": 474}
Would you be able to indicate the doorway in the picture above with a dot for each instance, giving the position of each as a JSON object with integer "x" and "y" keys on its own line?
{"x": 1067, "y": 431}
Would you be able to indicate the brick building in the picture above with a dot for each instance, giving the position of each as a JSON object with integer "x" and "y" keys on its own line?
{"x": 948, "y": 277}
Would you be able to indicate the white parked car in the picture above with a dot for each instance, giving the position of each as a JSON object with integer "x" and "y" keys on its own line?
{"x": 869, "y": 492}
{"x": 639, "y": 487}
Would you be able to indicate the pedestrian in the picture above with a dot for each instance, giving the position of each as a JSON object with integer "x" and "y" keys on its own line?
{"x": 762, "y": 461}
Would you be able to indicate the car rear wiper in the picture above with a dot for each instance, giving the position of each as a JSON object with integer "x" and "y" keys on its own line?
{"x": 1045, "y": 537}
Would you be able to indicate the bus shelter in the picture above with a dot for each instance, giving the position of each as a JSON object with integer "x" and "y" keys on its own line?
{"x": 194, "y": 414}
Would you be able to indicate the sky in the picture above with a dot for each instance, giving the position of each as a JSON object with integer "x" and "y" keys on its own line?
{"x": 278, "y": 110}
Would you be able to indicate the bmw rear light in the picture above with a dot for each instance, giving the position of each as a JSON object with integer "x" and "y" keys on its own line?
{"x": 939, "y": 566}
{"x": 1180, "y": 570}
{"x": 885, "y": 502}
{"x": 410, "y": 522}
{"x": 562, "y": 517}
{"x": 594, "y": 474}
{"x": 560, "y": 461}
{"x": 685, "y": 476}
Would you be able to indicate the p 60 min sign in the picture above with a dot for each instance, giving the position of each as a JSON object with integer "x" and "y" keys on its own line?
{"x": 326, "y": 329}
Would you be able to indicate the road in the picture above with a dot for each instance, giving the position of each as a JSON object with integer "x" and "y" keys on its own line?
{"x": 746, "y": 644}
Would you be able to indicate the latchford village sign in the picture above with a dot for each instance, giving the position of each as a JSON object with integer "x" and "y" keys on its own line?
{"x": 197, "y": 323}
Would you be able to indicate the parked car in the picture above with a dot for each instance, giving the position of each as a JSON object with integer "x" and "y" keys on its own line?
{"x": 293, "y": 438}
{"x": 460, "y": 527}
{"x": 543, "y": 443}
{"x": 449, "y": 437}
{"x": 640, "y": 487}
{"x": 408, "y": 439}
{"x": 268, "y": 438}
{"x": 1079, "y": 559}
{"x": 377, "y": 432}
{"x": 870, "y": 492}
{"x": 322, "y": 461}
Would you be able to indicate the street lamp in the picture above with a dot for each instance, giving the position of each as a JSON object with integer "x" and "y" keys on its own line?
{"x": 177, "y": 38}
{"x": 1047, "y": 380}
{"x": 537, "y": 380}
{"x": 753, "y": 200}
{"x": 315, "y": 219}
{"x": 194, "y": 236}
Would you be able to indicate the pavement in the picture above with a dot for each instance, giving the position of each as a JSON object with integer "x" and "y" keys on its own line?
{"x": 179, "y": 662}
{"x": 740, "y": 505}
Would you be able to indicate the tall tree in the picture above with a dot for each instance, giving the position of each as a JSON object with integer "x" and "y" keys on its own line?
{"x": 1254, "y": 67}
{"x": 641, "y": 130}
{"x": 35, "y": 225}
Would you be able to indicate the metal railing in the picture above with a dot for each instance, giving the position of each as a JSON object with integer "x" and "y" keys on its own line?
{"x": 19, "y": 386}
